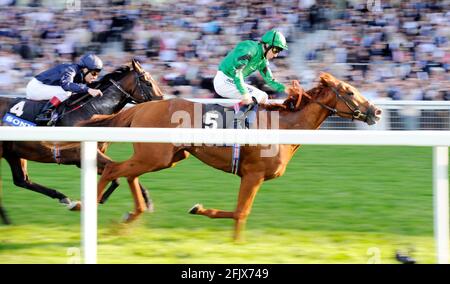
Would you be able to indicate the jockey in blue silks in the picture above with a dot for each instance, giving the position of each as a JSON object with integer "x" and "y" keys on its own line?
{"x": 60, "y": 82}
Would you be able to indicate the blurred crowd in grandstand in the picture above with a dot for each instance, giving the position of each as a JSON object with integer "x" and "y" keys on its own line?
{"x": 398, "y": 51}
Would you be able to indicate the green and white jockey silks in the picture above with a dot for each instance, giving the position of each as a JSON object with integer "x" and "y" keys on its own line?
{"x": 243, "y": 60}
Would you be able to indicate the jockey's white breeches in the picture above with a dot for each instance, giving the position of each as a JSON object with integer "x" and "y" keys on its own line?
{"x": 225, "y": 87}
{"x": 37, "y": 91}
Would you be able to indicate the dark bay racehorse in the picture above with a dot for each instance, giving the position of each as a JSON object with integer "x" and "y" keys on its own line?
{"x": 331, "y": 96}
{"x": 128, "y": 84}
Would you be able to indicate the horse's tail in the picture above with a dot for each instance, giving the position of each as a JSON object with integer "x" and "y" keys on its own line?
{"x": 121, "y": 119}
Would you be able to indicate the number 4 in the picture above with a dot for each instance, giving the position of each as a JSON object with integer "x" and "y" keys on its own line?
{"x": 17, "y": 109}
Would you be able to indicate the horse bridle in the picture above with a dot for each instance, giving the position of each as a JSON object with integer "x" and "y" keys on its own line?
{"x": 355, "y": 112}
{"x": 145, "y": 96}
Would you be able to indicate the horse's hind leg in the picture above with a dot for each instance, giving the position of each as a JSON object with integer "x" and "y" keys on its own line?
{"x": 21, "y": 179}
{"x": 178, "y": 156}
{"x": 145, "y": 193}
{"x": 131, "y": 169}
{"x": 211, "y": 213}
{"x": 111, "y": 172}
{"x": 112, "y": 187}
{"x": 103, "y": 160}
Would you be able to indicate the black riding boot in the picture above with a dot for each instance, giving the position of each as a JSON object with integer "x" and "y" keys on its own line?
{"x": 241, "y": 115}
{"x": 45, "y": 116}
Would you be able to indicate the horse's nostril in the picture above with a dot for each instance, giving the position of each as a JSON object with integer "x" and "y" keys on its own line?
{"x": 378, "y": 112}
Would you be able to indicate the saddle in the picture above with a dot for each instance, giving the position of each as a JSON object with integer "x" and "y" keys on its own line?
{"x": 22, "y": 112}
{"x": 223, "y": 117}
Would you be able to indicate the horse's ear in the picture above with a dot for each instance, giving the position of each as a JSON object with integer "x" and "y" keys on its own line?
{"x": 327, "y": 79}
{"x": 134, "y": 64}
{"x": 324, "y": 76}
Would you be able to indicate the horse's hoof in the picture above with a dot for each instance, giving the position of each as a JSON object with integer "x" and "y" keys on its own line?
{"x": 150, "y": 207}
{"x": 128, "y": 217}
{"x": 195, "y": 208}
{"x": 65, "y": 201}
{"x": 74, "y": 206}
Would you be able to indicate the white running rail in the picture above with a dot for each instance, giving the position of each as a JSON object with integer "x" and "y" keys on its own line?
{"x": 439, "y": 140}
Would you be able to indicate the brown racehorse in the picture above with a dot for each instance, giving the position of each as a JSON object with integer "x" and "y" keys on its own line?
{"x": 127, "y": 84}
{"x": 331, "y": 96}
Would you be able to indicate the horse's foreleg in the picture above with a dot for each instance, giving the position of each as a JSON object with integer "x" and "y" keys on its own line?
{"x": 247, "y": 193}
{"x": 3, "y": 216}
{"x": 139, "y": 201}
{"x": 249, "y": 188}
{"x": 148, "y": 200}
{"x": 20, "y": 178}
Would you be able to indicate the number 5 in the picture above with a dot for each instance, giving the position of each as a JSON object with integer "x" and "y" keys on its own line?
{"x": 211, "y": 120}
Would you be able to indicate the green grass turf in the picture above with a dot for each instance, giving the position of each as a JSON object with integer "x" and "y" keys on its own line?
{"x": 335, "y": 204}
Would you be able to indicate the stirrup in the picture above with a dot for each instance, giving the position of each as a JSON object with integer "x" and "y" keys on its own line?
{"x": 53, "y": 119}
{"x": 43, "y": 117}
{"x": 240, "y": 117}
{"x": 239, "y": 123}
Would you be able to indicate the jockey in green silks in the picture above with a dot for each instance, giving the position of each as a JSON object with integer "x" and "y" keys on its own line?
{"x": 247, "y": 57}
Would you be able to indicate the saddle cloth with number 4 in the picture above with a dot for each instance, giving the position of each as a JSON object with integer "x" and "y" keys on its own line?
{"x": 22, "y": 112}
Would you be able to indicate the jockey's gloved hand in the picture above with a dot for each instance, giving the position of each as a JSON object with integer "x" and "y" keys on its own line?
{"x": 95, "y": 92}
{"x": 246, "y": 99}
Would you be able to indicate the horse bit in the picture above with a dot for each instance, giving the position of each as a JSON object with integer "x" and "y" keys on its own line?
{"x": 144, "y": 95}
{"x": 354, "y": 110}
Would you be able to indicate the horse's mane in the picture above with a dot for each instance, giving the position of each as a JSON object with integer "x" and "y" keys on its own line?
{"x": 157, "y": 92}
{"x": 298, "y": 98}
{"x": 119, "y": 73}
{"x": 116, "y": 75}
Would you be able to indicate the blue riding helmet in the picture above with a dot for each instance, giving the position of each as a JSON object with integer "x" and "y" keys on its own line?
{"x": 92, "y": 62}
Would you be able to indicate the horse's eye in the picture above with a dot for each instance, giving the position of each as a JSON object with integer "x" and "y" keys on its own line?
{"x": 351, "y": 94}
